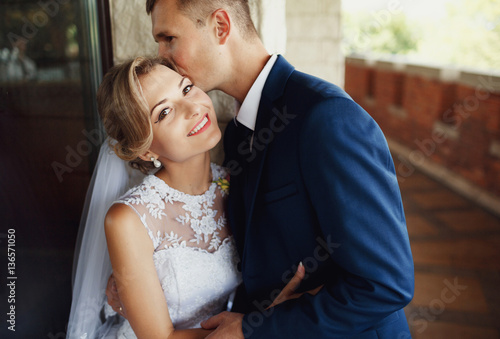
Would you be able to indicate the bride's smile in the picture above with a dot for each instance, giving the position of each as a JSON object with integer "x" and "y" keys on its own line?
{"x": 201, "y": 127}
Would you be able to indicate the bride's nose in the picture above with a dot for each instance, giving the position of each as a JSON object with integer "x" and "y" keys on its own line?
{"x": 192, "y": 109}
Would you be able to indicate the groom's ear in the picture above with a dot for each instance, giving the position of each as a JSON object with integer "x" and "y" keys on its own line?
{"x": 223, "y": 25}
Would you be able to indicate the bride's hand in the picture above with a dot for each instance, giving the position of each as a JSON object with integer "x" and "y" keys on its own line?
{"x": 288, "y": 292}
{"x": 113, "y": 297}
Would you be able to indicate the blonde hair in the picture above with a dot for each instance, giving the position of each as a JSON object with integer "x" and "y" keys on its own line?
{"x": 125, "y": 112}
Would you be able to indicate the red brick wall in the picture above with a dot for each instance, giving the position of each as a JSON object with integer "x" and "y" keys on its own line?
{"x": 412, "y": 105}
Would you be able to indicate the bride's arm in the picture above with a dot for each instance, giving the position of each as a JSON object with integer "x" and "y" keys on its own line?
{"x": 131, "y": 253}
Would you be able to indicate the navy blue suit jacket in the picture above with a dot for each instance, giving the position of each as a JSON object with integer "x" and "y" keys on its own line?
{"x": 318, "y": 186}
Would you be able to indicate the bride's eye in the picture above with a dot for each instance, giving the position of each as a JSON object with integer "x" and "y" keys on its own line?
{"x": 163, "y": 114}
{"x": 187, "y": 89}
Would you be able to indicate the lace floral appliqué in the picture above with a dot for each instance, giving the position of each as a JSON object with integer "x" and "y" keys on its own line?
{"x": 198, "y": 211}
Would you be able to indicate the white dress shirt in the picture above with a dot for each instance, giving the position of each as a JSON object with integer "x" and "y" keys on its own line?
{"x": 247, "y": 114}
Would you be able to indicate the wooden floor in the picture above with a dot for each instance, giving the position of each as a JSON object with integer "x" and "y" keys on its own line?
{"x": 456, "y": 251}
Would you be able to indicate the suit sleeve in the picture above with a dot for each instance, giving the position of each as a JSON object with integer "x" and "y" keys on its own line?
{"x": 351, "y": 182}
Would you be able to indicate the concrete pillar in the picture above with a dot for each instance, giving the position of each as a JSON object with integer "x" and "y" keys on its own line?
{"x": 131, "y": 30}
{"x": 269, "y": 17}
{"x": 314, "y": 38}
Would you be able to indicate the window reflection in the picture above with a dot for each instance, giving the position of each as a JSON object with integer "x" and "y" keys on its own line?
{"x": 46, "y": 115}
{"x": 40, "y": 41}
{"x": 15, "y": 65}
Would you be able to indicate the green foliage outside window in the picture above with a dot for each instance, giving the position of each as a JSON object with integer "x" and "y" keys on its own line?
{"x": 467, "y": 37}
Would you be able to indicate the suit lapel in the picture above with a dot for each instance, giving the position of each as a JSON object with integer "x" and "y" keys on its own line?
{"x": 235, "y": 209}
{"x": 271, "y": 95}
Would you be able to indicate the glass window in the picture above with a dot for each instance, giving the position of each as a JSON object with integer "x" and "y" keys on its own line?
{"x": 49, "y": 137}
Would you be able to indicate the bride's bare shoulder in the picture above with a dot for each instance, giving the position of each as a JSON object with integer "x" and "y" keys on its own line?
{"x": 122, "y": 218}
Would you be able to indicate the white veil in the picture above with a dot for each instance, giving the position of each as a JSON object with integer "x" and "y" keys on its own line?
{"x": 111, "y": 178}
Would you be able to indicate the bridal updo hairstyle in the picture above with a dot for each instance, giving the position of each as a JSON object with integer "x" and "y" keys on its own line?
{"x": 125, "y": 112}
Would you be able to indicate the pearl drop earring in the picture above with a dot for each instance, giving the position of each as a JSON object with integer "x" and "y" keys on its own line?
{"x": 156, "y": 162}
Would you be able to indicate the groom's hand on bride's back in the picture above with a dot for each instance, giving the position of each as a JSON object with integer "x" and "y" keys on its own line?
{"x": 113, "y": 297}
{"x": 229, "y": 324}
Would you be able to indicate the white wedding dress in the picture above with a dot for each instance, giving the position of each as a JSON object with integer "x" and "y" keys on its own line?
{"x": 195, "y": 256}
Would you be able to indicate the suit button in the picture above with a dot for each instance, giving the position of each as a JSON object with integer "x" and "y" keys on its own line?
{"x": 239, "y": 267}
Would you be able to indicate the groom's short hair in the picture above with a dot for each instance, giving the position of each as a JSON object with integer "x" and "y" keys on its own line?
{"x": 199, "y": 10}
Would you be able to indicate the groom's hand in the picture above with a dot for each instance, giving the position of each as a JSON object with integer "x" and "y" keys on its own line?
{"x": 227, "y": 325}
{"x": 113, "y": 297}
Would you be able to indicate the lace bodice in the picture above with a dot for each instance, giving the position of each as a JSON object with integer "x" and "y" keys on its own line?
{"x": 194, "y": 256}
{"x": 176, "y": 219}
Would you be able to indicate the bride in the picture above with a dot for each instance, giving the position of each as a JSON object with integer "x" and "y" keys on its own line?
{"x": 170, "y": 248}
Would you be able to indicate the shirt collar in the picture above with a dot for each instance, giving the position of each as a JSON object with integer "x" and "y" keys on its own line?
{"x": 247, "y": 115}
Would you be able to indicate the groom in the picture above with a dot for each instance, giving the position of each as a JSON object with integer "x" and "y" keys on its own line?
{"x": 312, "y": 180}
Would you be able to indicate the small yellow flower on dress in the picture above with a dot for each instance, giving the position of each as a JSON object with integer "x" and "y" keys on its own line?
{"x": 223, "y": 184}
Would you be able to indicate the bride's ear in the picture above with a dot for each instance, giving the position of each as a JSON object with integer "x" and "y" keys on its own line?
{"x": 149, "y": 156}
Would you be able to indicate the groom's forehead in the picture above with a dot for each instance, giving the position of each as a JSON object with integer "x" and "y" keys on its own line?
{"x": 166, "y": 13}
{"x": 166, "y": 20}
